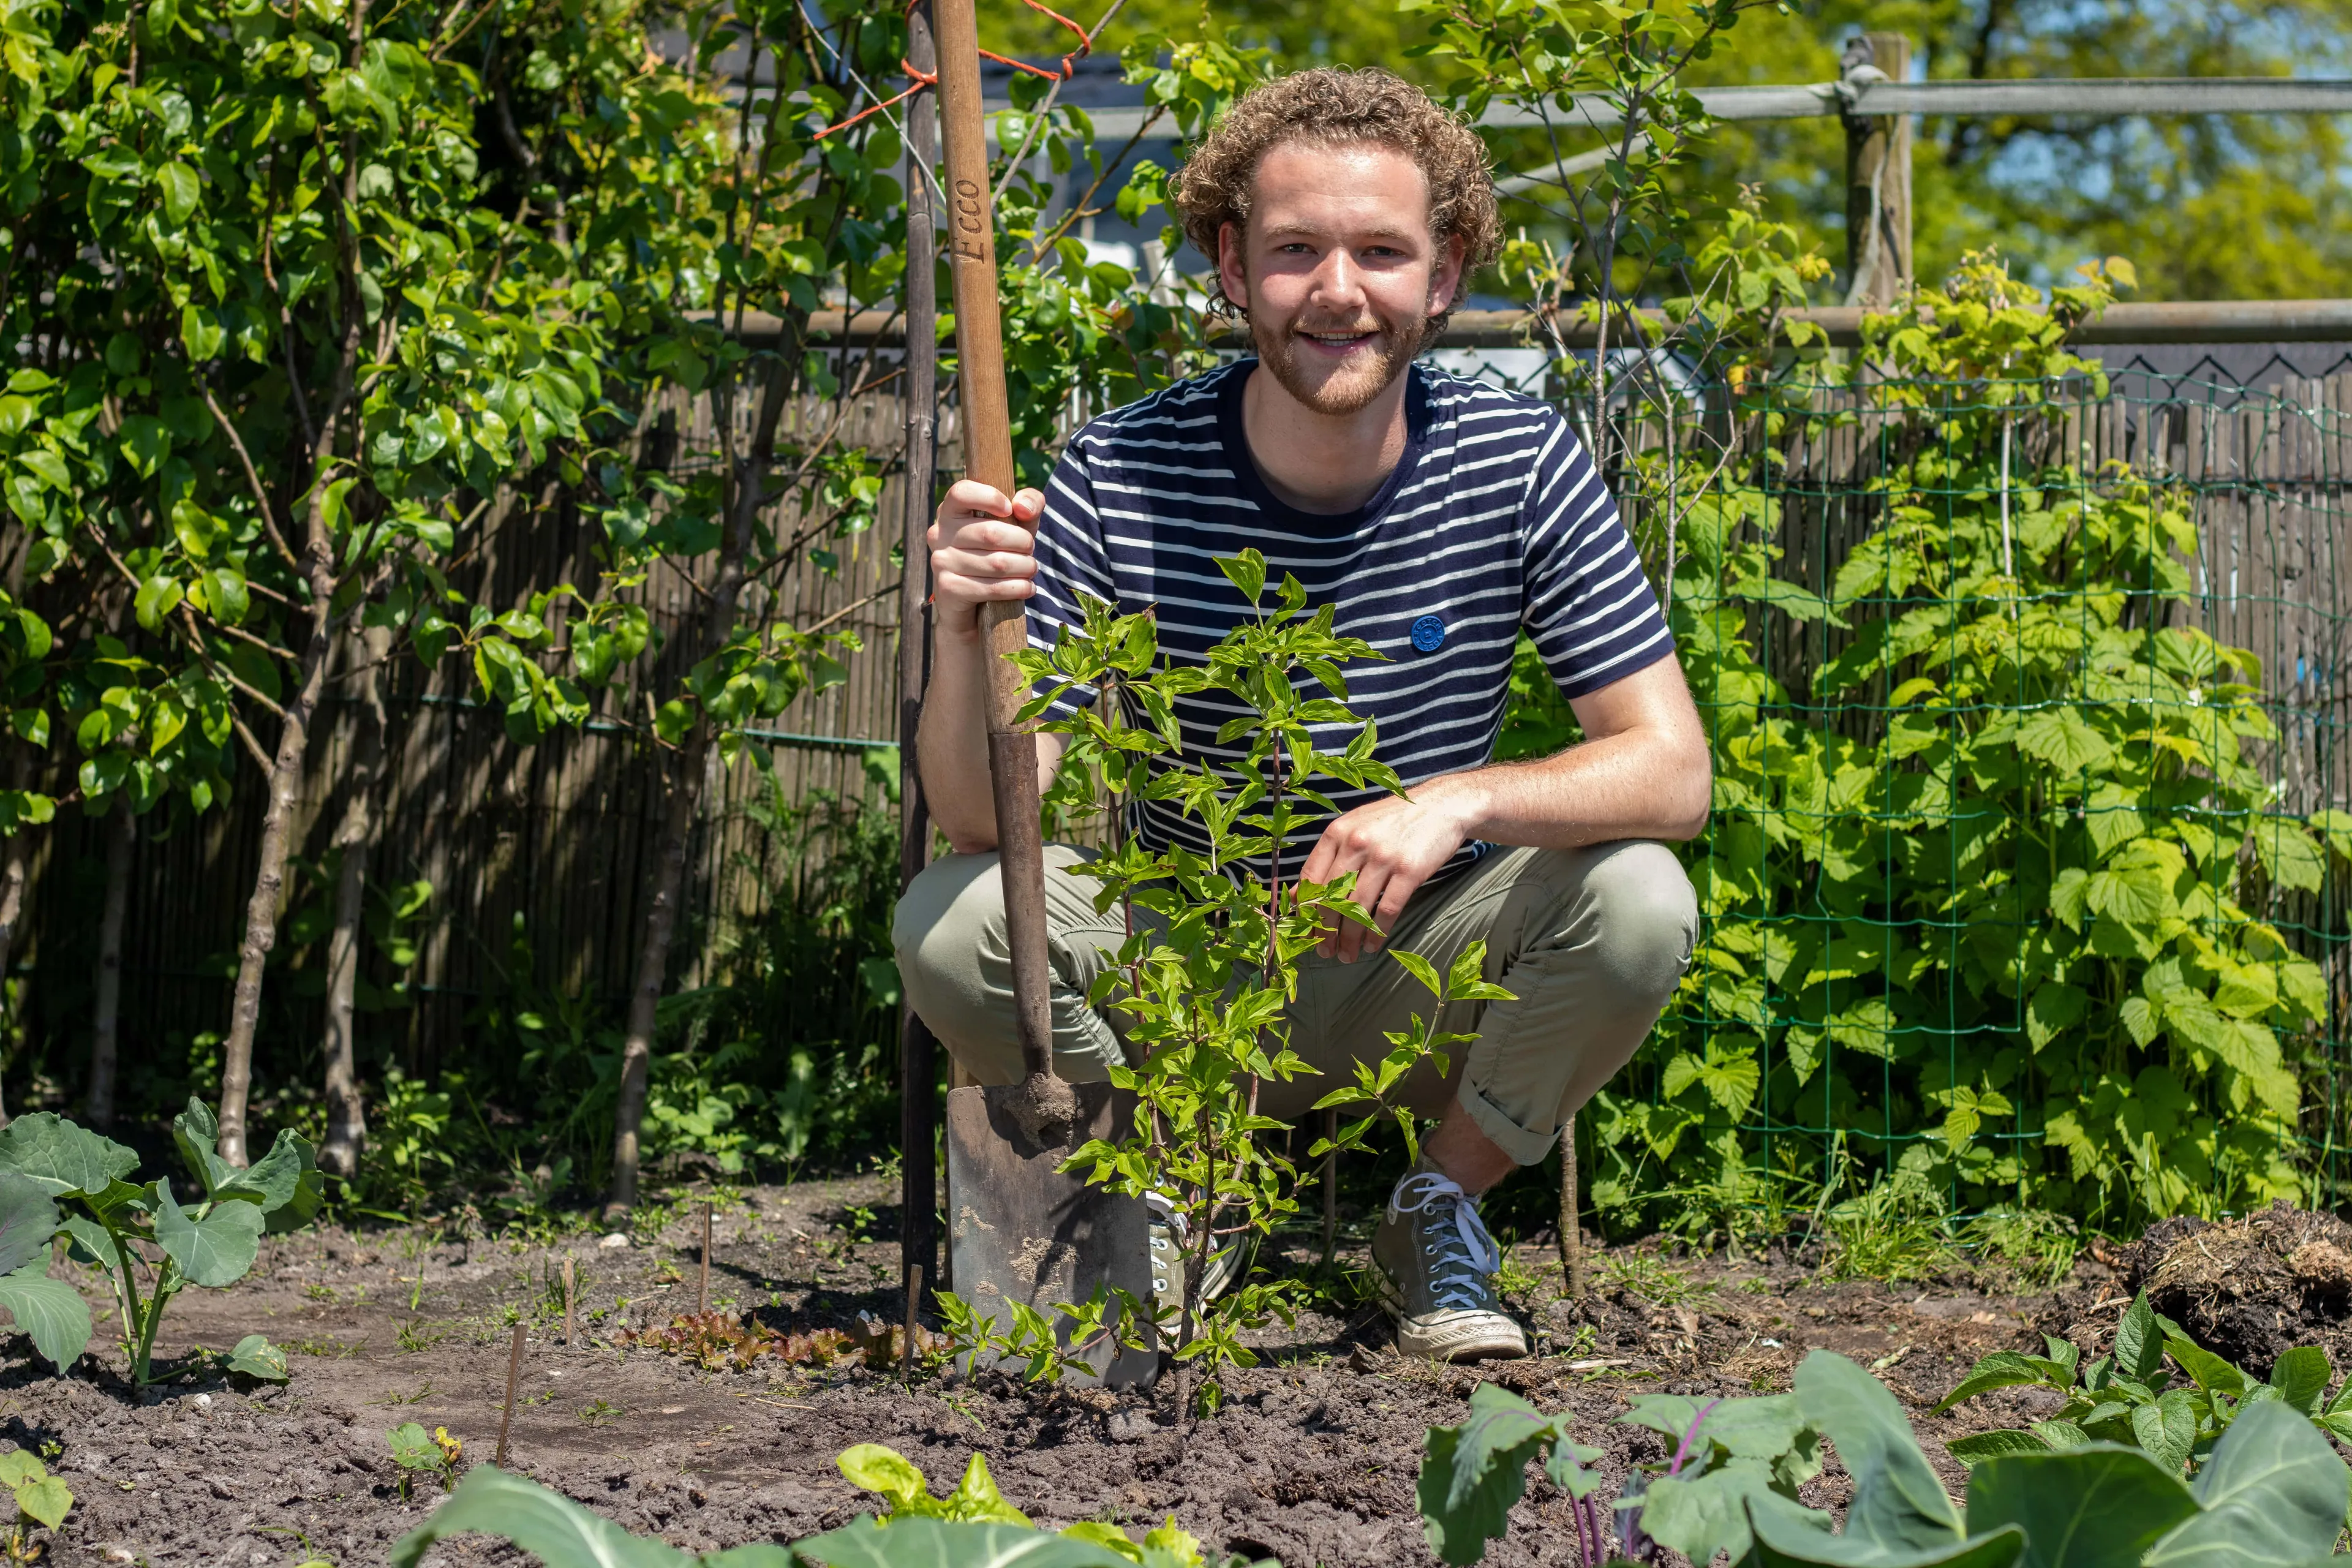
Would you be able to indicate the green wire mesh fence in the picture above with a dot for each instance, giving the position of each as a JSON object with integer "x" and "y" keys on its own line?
{"x": 2025, "y": 883}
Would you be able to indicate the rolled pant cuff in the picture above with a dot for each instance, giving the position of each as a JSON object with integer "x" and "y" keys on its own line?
{"x": 1524, "y": 1146}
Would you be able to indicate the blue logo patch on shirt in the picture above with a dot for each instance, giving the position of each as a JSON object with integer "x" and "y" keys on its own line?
{"x": 1428, "y": 633}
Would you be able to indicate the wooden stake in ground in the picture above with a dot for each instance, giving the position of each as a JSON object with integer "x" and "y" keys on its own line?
{"x": 567, "y": 1301}
{"x": 914, "y": 1301}
{"x": 1571, "y": 1230}
{"x": 702, "y": 1291}
{"x": 514, "y": 1376}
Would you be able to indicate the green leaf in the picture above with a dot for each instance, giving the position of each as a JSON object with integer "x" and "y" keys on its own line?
{"x": 256, "y": 1357}
{"x": 875, "y": 1468}
{"x": 413, "y": 1447}
{"x": 2273, "y": 1493}
{"x": 2095, "y": 1507}
{"x": 1763, "y": 1429}
{"x": 64, "y": 1158}
{"x": 2064, "y": 1435}
{"x": 196, "y": 528}
{"x": 181, "y": 191}
{"x": 2209, "y": 1371}
{"x": 1472, "y": 1474}
{"x": 2300, "y": 1377}
{"x": 2139, "y": 1342}
{"x": 2290, "y": 856}
{"x": 977, "y": 1498}
{"x": 2055, "y": 1008}
{"x": 1898, "y": 1503}
{"x": 1423, "y": 971}
{"x": 2167, "y": 1429}
{"x": 2002, "y": 1369}
{"x": 1701, "y": 1515}
{"x": 941, "y": 1543}
{"x": 275, "y": 1179}
{"x": 200, "y": 331}
{"x": 158, "y": 596}
{"x": 45, "y": 1501}
{"x": 2063, "y": 740}
{"x": 1977, "y": 1449}
{"x": 215, "y": 1251}
{"x": 146, "y": 441}
{"x": 28, "y": 1219}
{"x": 1786, "y": 1536}
{"x": 1246, "y": 572}
{"x": 546, "y": 1524}
{"x": 51, "y": 1312}
{"x": 196, "y": 1134}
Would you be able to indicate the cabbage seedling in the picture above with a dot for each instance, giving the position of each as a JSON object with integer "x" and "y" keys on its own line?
{"x": 413, "y": 1451}
{"x": 60, "y": 1179}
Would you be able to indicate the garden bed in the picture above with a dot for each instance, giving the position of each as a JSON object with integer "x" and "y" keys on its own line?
{"x": 1312, "y": 1460}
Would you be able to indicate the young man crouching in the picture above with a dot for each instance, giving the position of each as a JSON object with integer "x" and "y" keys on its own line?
{"x": 1346, "y": 213}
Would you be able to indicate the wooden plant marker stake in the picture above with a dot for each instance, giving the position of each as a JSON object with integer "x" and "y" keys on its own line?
{"x": 914, "y": 1300}
{"x": 702, "y": 1291}
{"x": 1571, "y": 1230}
{"x": 567, "y": 1301}
{"x": 514, "y": 1376}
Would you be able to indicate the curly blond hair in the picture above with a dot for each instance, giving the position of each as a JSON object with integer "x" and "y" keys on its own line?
{"x": 1330, "y": 106}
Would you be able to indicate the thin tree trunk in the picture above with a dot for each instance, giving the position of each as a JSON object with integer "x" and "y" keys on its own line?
{"x": 691, "y": 770}
{"x": 121, "y": 838}
{"x": 269, "y": 883}
{"x": 294, "y": 733}
{"x": 354, "y": 837}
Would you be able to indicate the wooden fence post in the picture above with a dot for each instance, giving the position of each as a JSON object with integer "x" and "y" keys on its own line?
{"x": 1877, "y": 177}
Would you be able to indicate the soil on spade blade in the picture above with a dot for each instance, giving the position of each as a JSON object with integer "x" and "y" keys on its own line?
{"x": 1311, "y": 1461}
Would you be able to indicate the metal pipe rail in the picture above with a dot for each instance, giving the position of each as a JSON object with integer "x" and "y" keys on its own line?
{"x": 2049, "y": 96}
{"x": 2180, "y": 321}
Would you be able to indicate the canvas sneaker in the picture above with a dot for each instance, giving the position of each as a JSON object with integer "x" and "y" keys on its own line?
{"x": 1169, "y": 1256}
{"x": 1432, "y": 1260}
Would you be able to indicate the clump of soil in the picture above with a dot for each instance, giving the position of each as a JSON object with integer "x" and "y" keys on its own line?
{"x": 2249, "y": 1289}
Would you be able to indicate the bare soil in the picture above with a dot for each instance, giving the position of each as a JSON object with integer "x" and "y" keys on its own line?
{"x": 1311, "y": 1461}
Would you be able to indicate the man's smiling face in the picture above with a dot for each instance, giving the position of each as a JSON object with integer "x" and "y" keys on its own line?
{"x": 1339, "y": 270}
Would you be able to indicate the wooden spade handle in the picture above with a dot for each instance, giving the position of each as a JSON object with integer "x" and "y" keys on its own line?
{"x": 988, "y": 458}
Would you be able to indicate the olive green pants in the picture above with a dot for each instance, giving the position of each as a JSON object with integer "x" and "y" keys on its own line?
{"x": 1591, "y": 943}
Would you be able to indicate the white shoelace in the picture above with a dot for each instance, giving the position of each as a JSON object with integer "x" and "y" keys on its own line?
{"x": 1162, "y": 1205}
{"x": 1467, "y": 1256}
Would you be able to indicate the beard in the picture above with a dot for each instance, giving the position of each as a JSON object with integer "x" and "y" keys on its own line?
{"x": 1350, "y": 387}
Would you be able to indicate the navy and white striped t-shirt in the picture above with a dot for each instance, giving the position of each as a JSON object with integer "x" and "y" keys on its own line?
{"x": 1494, "y": 520}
